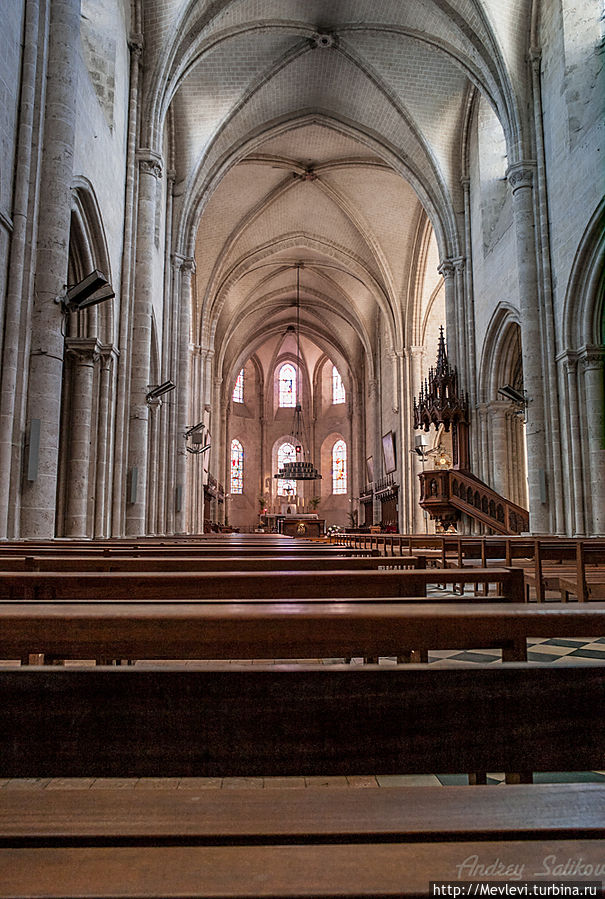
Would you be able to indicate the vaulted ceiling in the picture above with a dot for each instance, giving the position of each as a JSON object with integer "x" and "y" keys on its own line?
{"x": 323, "y": 133}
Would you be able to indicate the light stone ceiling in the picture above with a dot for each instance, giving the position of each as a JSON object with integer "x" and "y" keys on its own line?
{"x": 321, "y": 132}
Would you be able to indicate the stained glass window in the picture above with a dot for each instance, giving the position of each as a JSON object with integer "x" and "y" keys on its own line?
{"x": 237, "y": 467}
{"x": 286, "y": 453}
{"x": 338, "y": 388}
{"x": 287, "y": 385}
{"x": 238, "y": 390}
{"x": 339, "y": 467}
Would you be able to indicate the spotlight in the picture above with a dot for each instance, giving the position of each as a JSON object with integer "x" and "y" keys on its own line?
{"x": 520, "y": 399}
{"x": 156, "y": 392}
{"x": 93, "y": 289}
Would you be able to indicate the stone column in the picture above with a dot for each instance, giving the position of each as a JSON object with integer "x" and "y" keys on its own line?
{"x": 150, "y": 171}
{"x": 183, "y": 389}
{"x": 14, "y": 310}
{"x": 471, "y": 386}
{"x": 499, "y": 445}
{"x": 375, "y": 418}
{"x": 153, "y": 450}
{"x": 46, "y": 356}
{"x": 447, "y": 270}
{"x": 484, "y": 456}
{"x": 84, "y": 354}
{"x": 223, "y": 466}
{"x": 103, "y": 444}
{"x": 122, "y": 375}
{"x": 215, "y": 464}
{"x": 551, "y": 411}
{"x": 461, "y": 317}
{"x": 419, "y": 524}
{"x": 592, "y": 363}
{"x": 521, "y": 180}
{"x": 575, "y": 453}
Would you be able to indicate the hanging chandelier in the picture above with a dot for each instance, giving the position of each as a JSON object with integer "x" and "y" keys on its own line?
{"x": 299, "y": 469}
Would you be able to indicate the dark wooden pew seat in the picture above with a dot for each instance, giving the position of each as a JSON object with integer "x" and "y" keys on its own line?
{"x": 294, "y": 629}
{"x": 225, "y": 562}
{"x": 287, "y": 720}
{"x": 150, "y": 586}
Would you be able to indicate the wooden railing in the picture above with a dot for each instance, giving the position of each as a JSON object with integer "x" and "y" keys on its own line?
{"x": 444, "y": 494}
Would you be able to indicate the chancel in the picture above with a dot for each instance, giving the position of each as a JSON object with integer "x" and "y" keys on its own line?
{"x": 302, "y": 345}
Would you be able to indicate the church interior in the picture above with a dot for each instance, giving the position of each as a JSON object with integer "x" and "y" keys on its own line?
{"x": 303, "y": 299}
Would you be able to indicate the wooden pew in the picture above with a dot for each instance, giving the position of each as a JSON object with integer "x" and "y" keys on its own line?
{"x": 283, "y": 721}
{"x": 225, "y": 562}
{"x": 100, "y": 550}
{"x": 561, "y": 566}
{"x": 296, "y": 630}
{"x": 153, "y": 586}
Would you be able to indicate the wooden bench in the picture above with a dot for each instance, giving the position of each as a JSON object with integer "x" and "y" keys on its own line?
{"x": 268, "y": 721}
{"x": 567, "y": 562}
{"x": 153, "y": 586}
{"x": 225, "y": 562}
{"x": 297, "y": 630}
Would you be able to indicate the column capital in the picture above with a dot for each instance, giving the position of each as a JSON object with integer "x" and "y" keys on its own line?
{"x": 591, "y": 357}
{"x": 498, "y": 407}
{"x": 446, "y": 269}
{"x": 415, "y": 351}
{"x": 182, "y": 263}
{"x": 136, "y": 42}
{"x": 569, "y": 359}
{"x": 521, "y": 175}
{"x": 108, "y": 353}
{"x": 150, "y": 162}
{"x": 535, "y": 57}
{"x": 84, "y": 350}
{"x": 188, "y": 265}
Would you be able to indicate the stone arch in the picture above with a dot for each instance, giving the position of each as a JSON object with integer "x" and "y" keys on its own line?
{"x": 503, "y": 452}
{"x": 89, "y": 372}
{"x": 88, "y": 250}
{"x": 582, "y": 377}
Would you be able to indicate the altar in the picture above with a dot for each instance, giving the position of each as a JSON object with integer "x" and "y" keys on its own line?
{"x": 301, "y": 525}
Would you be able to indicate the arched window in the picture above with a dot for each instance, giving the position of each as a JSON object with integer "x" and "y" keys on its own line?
{"x": 286, "y": 453}
{"x": 237, "y": 467}
{"x": 287, "y": 385}
{"x": 238, "y": 390}
{"x": 339, "y": 467}
{"x": 338, "y": 388}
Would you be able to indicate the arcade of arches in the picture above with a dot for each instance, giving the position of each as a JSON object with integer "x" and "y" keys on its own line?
{"x": 289, "y": 199}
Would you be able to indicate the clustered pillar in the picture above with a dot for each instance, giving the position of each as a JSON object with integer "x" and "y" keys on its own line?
{"x": 46, "y": 353}
{"x": 521, "y": 180}
{"x": 150, "y": 171}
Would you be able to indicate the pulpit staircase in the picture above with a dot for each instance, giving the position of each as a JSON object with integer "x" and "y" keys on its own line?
{"x": 446, "y": 493}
